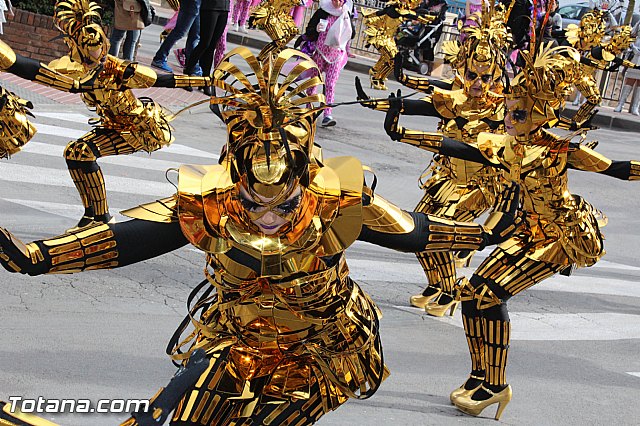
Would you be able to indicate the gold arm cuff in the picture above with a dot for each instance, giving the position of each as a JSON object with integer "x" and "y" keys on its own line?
{"x": 427, "y": 141}
{"x": 142, "y": 78}
{"x": 52, "y": 78}
{"x": 7, "y": 56}
{"x": 634, "y": 173}
{"x": 416, "y": 83}
{"x": 447, "y": 234}
{"x": 93, "y": 247}
{"x": 382, "y": 216}
{"x": 164, "y": 211}
{"x": 191, "y": 81}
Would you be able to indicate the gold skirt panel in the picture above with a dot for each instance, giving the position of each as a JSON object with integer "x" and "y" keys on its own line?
{"x": 286, "y": 350}
{"x": 573, "y": 238}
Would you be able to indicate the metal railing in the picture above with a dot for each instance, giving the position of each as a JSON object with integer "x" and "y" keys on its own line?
{"x": 358, "y": 43}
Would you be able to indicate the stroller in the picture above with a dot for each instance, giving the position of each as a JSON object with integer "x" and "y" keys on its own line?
{"x": 416, "y": 42}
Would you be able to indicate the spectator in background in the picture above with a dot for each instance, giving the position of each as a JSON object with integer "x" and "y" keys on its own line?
{"x": 213, "y": 21}
{"x": 127, "y": 25}
{"x": 331, "y": 28}
{"x": 297, "y": 12}
{"x": 5, "y": 6}
{"x": 632, "y": 78}
{"x": 553, "y": 29}
{"x": 240, "y": 15}
{"x": 187, "y": 20}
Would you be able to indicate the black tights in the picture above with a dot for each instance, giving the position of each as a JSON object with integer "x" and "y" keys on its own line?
{"x": 212, "y": 23}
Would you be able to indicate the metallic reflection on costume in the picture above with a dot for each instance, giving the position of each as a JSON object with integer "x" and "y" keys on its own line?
{"x": 274, "y": 18}
{"x": 126, "y": 124}
{"x": 458, "y": 189}
{"x": 289, "y": 336}
{"x": 382, "y": 26}
{"x": 561, "y": 231}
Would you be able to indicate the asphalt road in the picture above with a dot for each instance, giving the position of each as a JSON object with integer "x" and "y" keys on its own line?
{"x": 102, "y": 334}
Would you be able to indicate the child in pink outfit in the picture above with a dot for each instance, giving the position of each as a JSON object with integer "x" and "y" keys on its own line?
{"x": 330, "y": 27}
{"x": 240, "y": 15}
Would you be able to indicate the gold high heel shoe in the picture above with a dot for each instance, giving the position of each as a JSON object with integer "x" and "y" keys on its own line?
{"x": 434, "y": 308}
{"x": 463, "y": 391}
{"x": 421, "y": 300}
{"x": 467, "y": 405}
{"x": 462, "y": 259}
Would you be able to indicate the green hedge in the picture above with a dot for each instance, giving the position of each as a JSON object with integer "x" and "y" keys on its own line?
{"x": 45, "y": 7}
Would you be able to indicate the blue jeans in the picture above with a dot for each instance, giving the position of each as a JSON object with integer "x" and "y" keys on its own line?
{"x": 187, "y": 21}
{"x": 129, "y": 48}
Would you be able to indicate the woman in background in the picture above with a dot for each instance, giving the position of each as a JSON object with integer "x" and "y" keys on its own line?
{"x": 128, "y": 25}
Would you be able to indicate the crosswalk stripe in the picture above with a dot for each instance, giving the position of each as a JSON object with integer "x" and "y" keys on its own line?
{"x": 72, "y": 211}
{"x": 64, "y": 116}
{"x": 412, "y": 272}
{"x": 138, "y": 160}
{"x": 45, "y": 176}
{"x": 547, "y": 326}
{"x": 633, "y": 373}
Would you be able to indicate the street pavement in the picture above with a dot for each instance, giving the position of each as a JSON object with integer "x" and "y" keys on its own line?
{"x": 102, "y": 334}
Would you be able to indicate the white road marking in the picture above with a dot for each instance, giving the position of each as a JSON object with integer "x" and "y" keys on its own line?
{"x": 45, "y": 176}
{"x": 633, "y": 373}
{"x": 65, "y": 132}
{"x": 72, "y": 211}
{"x": 65, "y": 116}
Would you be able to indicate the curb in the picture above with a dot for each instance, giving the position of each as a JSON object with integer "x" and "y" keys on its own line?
{"x": 607, "y": 119}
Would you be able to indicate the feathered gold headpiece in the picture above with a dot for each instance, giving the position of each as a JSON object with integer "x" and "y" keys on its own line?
{"x": 545, "y": 79}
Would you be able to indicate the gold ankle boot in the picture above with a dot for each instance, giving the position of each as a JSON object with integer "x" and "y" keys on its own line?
{"x": 421, "y": 300}
{"x": 462, "y": 391}
{"x": 469, "y": 406}
{"x": 434, "y": 308}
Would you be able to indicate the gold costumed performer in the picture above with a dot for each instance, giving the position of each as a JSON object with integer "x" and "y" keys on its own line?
{"x": 458, "y": 189}
{"x": 382, "y": 26}
{"x": 598, "y": 53}
{"x": 126, "y": 124}
{"x": 561, "y": 230}
{"x": 288, "y": 335}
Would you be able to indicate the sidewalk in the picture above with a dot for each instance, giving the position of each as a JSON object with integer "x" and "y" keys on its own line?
{"x": 150, "y": 41}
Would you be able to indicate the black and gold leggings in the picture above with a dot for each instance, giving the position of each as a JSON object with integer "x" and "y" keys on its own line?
{"x": 484, "y": 307}
{"x": 81, "y": 156}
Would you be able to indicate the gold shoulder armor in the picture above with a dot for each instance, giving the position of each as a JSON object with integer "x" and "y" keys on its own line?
{"x": 164, "y": 211}
{"x": 586, "y": 159}
{"x": 446, "y": 102}
{"x": 383, "y": 216}
{"x": 340, "y": 182}
{"x": 7, "y": 56}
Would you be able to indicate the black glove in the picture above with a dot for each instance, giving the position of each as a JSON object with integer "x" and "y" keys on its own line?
{"x": 90, "y": 82}
{"x": 506, "y": 216}
{"x": 361, "y": 95}
{"x": 398, "y": 61}
{"x": 393, "y": 116}
{"x": 14, "y": 256}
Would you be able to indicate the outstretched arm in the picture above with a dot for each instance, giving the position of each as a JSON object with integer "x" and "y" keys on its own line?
{"x": 422, "y": 84}
{"x": 430, "y": 141}
{"x": 388, "y": 226}
{"x": 99, "y": 246}
{"x": 32, "y": 70}
{"x": 583, "y": 158}
{"x": 138, "y": 76}
{"x": 409, "y": 106}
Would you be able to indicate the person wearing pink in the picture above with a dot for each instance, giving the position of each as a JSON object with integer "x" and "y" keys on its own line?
{"x": 297, "y": 12}
{"x": 331, "y": 29}
{"x": 240, "y": 15}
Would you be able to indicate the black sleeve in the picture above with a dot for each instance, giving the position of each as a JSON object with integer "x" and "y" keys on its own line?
{"x": 419, "y": 107}
{"x": 26, "y": 68}
{"x": 311, "y": 32}
{"x": 165, "y": 80}
{"x": 619, "y": 169}
{"x": 139, "y": 240}
{"x": 453, "y": 148}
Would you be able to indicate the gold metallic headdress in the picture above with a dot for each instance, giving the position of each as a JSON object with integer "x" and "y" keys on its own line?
{"x": 15, "y": 128}
{"x": 270, "y": 118}
{"x": 620, "y": 41}
{"x": 485, "y": 43}
{"x": 543, "y": 82}
{"x": 81, "y": 24}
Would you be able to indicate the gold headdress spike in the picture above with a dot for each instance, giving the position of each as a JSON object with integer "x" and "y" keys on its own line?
{"x": 544, "y": 81}
{"x": 270, "y": 118}
{"x": 81, "y": 23}
{"x": 15, "y": 128}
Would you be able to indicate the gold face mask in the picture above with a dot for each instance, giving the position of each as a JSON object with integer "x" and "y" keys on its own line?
{"x": 480, "y": 76}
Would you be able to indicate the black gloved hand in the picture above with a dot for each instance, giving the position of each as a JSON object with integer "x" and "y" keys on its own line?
{"x": 14, "y": 255}
{"x": 393, "y": 116}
